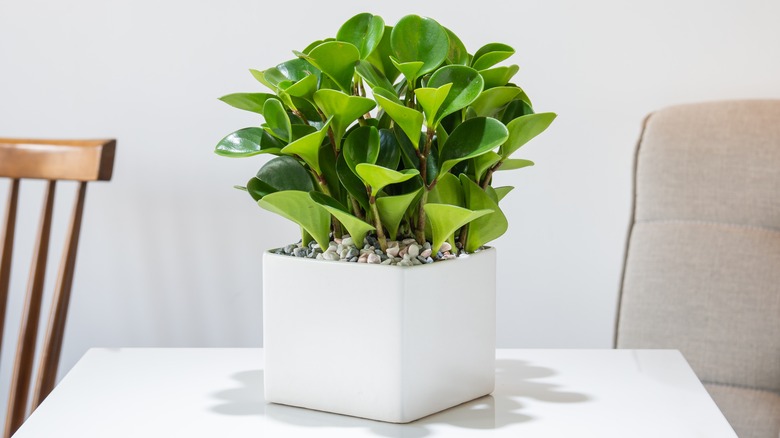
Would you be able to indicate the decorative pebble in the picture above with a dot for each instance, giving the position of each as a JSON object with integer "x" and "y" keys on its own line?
{"x": 353, "y": 259}
{"x": 445, "y": 247}
{"x": 408, "y": 241}
{"x": 429, "y": 260}
{"x": 299, "y": 252}
{"x": 289, "y": 249}
{"x": 347, "y": 241}
{"x": 353, "y": 252}
{"x": 337, "y": 240}
{"x": 426, "y": 253}
{"x": 374, "y": 259}
{"x": 393, "y": 251}
{"x": 314, "y": 245}
{"x": 421, "y": 259}
{"x": 332, "y": 256}
{"x": 320, "y": 257}
{"x": 413, "y": 250}
{"x": 392, "y": 243}
{"x": 416, "y": 262}
{"x": 427, "y": 245}
{"x": 363, "y": 257}
{"x": 387, "y": 262}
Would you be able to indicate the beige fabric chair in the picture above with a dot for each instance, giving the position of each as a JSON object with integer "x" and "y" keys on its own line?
{"x": 702, "y": 270}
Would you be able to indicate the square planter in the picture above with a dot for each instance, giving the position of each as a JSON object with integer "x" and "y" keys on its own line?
{"x": 381, "y": 342}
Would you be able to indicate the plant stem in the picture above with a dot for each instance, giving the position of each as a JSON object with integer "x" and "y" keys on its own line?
{"x": 337, "y": 231}
{"x": 489, "y": 174}
{"x": 380, "y": 234}
{"x": 420, "y": 229}
{"x": 356, "y": 208}
{"x": 419, "y": 232}
{"x": 464, "y": 236}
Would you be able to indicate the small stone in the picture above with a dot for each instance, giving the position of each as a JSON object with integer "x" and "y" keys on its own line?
{"x": 289, "y": 249}
{"x": 450, "y": 257}
{"x": 429, "y": 260}
{"x": 372, "y": 241}
{"x": 353, "y": 252}
{"x": 279, "y": 251}
{"x": 403, "y": 252}
{"x": 427, "y": 245}
{"x": 347, "y": 241}
{"x": 413, "y": 250}
{"x": 393, "y": 251}
{"x": 392, "y": 243}
{"x": 426, "y": 253}
{"x": 404, "y": 263}
{"x": 337, "y": 240}
{"x": 421, "y": 259}
{"x": 366, "y": 251}
{"x": 416, "y": 262}
{"x": 445, "y": 247}
{"x": 397, "y": 259}
{"x": 320, "y": 257}
{"x": 332, "y": 256}
{"x": 378, "y": 252}
{"x": 408, "y": 241}
{"x": 315, "y": 245}
{"x": 439, "y": 255}
{"x": 353, "y": 259}
{"x": 299, "y": 252}
{"x": 363, "y": 258}
{"x": 387, "y": 262}
{"x": 374, "y": 259}
{"x": 331, "y": 250}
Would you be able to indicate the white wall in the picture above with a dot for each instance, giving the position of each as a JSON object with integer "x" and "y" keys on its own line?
{"x": 171, "y": 254}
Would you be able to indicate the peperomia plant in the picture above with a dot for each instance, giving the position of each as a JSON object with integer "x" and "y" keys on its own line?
{"x": 393, "y": 132}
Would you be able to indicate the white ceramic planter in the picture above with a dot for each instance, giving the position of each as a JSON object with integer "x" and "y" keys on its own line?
{"x": 382, "y": 342}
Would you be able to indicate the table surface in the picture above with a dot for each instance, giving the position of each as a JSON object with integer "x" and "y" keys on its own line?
{"x": 219, "y": 392}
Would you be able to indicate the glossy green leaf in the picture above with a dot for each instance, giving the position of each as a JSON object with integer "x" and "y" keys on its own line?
{"x": 308, "y": 147}
{"x": 470, "y": 139}
{"x": 515, "y": 163}
{"x": 304, "y": 88}
{"x": 516, "y": 108}
{"x": 523, "y": 129}
{"x": 410, "y": 70}
{"x": 378, "y": 177}
{"x": 361, "y": 146}
{"x": 446, "y": 219}
{"x": 389, "y": 150}
{"x": 501, "y": 192}
{"x": 343, "y": 109}
{"x": 447, "y": 191}
{"x": 298, "y": 207}
{"x": 248, "y": 142}
{"x": 363, "y": 31}
{"x": 498, "y": 76}
{"x": 408, "y": 151}
{"x": 492, "y": 100}
{"x": 350, "y": 181}
{"x": 430, "y": 100}
{"x": 487, "y": 228}
{"x": 456, "y": 53}
{"x": 356, "y": 227}
{"x": 315, "y": 44}
{"x": 466, "y": 86}
{"x": 415, "y": 38}
{"x": 327, "y": 162}
{"x": 408, "y": 119}
{"x": 257, "y": 189}
{"x": 277, "y": 120}
{"x": 299, "y": 131}
{"x": 285, "y": 173}
{"x": 373, "y": 77}
{"x": 247, "y": 101}
{"x": 392, "y": 210}
{"x": 490, "y": 55}
{"x": 380, "y": 57}
{"x": 482, "y": 163}
{"x": 337, "y": 60}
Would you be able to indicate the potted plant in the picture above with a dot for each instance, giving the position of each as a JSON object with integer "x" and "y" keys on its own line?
{"x": 386, "y": 141}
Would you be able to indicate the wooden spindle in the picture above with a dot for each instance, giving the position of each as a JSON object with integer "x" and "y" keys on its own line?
{"x": 28, "y": 333}
{"x": 50, "y": 356}
{"x": 7, "y": 241}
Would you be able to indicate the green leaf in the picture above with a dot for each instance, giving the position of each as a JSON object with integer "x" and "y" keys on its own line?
{"x": 456, "y": 54}
{"x": 498, "y": 76}
{"x": 466, "y": 86}
{"x": 378, "y": 177}
{"x": 373, "y": 76}
{"x": 257, "y": 189}
{"x": 356, "y": 227}
{"x": 410, "y": 70}
{"x": 447, "y": 191}
{"x": 327, "y": 161}
{"x": 492, "y": 100}
{"x": 351, "y": 182}
{"x": 389, "y": 150}
{"x": 304, "y": 88}
{"x": 515, "y": 163}
{"x": 248, "y": 142}
{"x": 361, "y": 146}
{"x": 470, "y": 139}
{"x": 277, "y": 120}
{"x": 337, "y": 60}
{"x": 285, "y": 173}
{"x": 315, "y": 44}
{"x": 487, "y": 228}
{"x": 298, "y": 207}
{"x": 408, "y": 119}
{"x": 415, "y": 38}
{"x": 501, "y": 192}
{"x": 446, "y": 219}
{"x": 523, "y": 129}
{"x": 482, "y": 163}
{"x": 308, "y": 147}
{"x": 516, "y": 108}
{"x": 364, "y": 31}
{"x": 380, "y": 57}
{"x": 430, "y": 100}
{"x": 247, "y": 101}
{"x": 392, "y": 210}
{"x": 490, "y": 55}
{"x": 343, "y": 109}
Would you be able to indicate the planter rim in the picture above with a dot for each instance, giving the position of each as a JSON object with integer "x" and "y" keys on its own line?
{"x": 462, "y": 258}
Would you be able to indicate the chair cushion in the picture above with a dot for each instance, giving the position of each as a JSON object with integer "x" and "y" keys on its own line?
{"x": 752, "y": 413}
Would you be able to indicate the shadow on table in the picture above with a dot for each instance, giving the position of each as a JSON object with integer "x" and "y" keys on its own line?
{"x": 515, "y": 380}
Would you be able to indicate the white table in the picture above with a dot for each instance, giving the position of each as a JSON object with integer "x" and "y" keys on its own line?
{"x": 219, "y": 393}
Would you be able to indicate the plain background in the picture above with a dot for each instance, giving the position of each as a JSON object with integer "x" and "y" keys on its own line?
{"x": 171, "y": 254}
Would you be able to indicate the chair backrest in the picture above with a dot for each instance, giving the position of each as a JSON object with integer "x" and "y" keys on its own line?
{"x": 702, "y": 269}
{"x": 51, "y": 160}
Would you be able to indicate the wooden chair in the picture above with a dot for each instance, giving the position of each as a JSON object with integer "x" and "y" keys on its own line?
{"x": 51, "y": 160}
